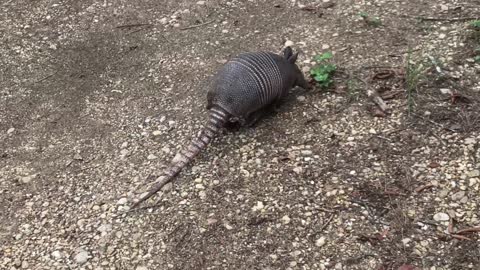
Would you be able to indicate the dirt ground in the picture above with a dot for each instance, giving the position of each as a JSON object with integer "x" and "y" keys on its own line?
{"x": 96, "y": 97}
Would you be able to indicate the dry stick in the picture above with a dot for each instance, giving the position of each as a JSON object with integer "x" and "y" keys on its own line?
{"x": 197, "y": 25}
{"x": 134, "y": 25}
{"x": 474, "y": 229}
{"x": 326, "y": 223}
{"x": 373, "y": 94}
{"x": 461, "y": 19}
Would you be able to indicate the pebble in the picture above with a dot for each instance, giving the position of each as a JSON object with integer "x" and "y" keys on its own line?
{"x": 441, "y": 217}
{"x": 57, "y": 254}
{"x": 81, "y": 257}
{"x": 122, "y": 201}
{"x": 474, "y": 173}
{"x": 320, "y": 242}
{"x": 442, "y": 36}
{"x": 288, "y": 43}
{"x": 470, "y": 141}
{"x": 27, "y": 179}
{"x": 286, "y": 219}
{"x": 258, "y": 207}
{"x": 10, "y": 130}
{"x": 298, "y": 170}
{"x": 151, "y": 157}
{"x": 458, "y": 196}
{"x": 164, "y": 21}
{"x": 307, "y": 152}
{"x": 141, "y": 268}
{"x": 301, "y": 98}
{"x": 157, "y": 133}
{"x": 201, "y": 3}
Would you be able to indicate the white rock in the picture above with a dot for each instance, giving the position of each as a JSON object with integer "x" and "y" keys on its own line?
{"x": 56, "y": 254}
{"x": 441, "y": 217}
{"x": 27, "y": 179}
{"x": 286, "y": 219}
{"x": 445, "y": 91}
{"x": 104, "y": 228}
{"x": 320, "y": 242}
{"x": 443, "y": 7}
{"x": 122, "y": 201}
{"x": 406, "y": 240}
{"x": 257, "y": 207}
{"x": 164, "y": 21}
{"x": 288, "y": 43}
{"x": 298, "y": 170}
{"x": 325, "y": 47}
{"x": 307, "y": 152}
{"x": 301, "y": 98}
{"x": 81, "y": 257}
{"x": 201, "y": 3}
{"x": 141, "y": 268}
{"x": 151, "y": 157}
{"x": 470, "y": 141}
{"x": 474, "y": 173}
{"x": 442, "y": 36}
{"x": 10, "y": 130}
{"x": 157, "y": 133}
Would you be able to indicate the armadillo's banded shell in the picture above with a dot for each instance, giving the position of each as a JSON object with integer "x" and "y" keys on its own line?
{"x": 248, "y": 82}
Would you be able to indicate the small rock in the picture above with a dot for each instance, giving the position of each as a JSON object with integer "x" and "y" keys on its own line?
{"x": 151, "y": 157}
{"x": 458, "y": 196}
{"x": 81, "y": 257}
{"x": 166, "y": 150}
{"x": 301, "y": 98}
{"x": 201, "y": 3}
{"x": 307, "y": 152}
{"x": 258, "y": 207}
{"x": 227, "y": 226}
{"x": 176, "y": 25}
{"x": 10, "y": 130}
{"x": 157, "y": 133}
{"x": 211, "y": 221}
{"x": 325, "y": 47}
{"x": 474, "y": 173}
{"x": 406, "y": 240}
{"x": 24, "y": 264}
{"x": 122, "y": 201}
{"x": 164, "y": 21}
{"x": 441, "y": 217}
{"x": 320, "y": 242}
{"x": 442, "y": 36}
{"x": 298, "y": 170}
{"x": 445, "y": 91}
{"x": 443, "y": 7}
{"x": 286, "y": 219}
{"x": 470, "y": 141}
{"x": 372, "y": 131}
{"x": 199, "y": 186}
{"x": 124, "y": 152}
{"x": 141, "y": 268}
{"x": 77, "y": 156}
{"x": 124, "y": 145}
{"x": 104, "y": 228}
{"x": 56, "y": 254}
{"x": 27, "y": 179}
{"x": 288, "y": 43}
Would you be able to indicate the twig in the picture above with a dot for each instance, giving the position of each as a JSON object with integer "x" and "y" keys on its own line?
{"x": 474, "y": 229}
{"x": 133, "y": 25}
{"x": 45, "y": 78}
{"x": 422, "y": 188}
{"x": 326, "y": 223}
{"x": 433, "y": 122}
{"x": 373, "y": 94}
{"x": 197, "y": 25}
{"x": 460, "y": 19}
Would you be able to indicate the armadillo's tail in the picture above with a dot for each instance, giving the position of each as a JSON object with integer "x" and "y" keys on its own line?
{"x": 216, "y": 120}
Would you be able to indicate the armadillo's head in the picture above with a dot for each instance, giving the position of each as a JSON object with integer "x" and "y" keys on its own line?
{"x": 291, "y": 58}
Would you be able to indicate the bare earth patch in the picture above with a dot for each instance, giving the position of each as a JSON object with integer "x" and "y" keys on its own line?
{"x": 96, "y": 97}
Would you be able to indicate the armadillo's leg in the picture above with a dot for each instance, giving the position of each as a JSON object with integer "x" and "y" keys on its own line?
{"x": 256, "y": 116}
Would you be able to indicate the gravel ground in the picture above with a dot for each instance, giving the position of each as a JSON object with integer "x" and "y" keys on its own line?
{"x": 97, "y": 96}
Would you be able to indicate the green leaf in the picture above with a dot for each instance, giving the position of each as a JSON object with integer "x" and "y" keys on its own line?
{"x": 324, "y": 56}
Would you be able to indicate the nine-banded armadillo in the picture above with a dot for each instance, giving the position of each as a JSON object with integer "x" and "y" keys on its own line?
{"x": 243, "y": 89}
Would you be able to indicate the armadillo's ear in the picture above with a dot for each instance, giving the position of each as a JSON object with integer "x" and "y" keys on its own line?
{"x": 293, "y": 58}
{"x": 287, "y": 52}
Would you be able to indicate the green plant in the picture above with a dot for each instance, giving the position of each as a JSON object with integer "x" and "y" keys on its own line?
{"x": 322, "y": 72}
{"x": 373, "y": 21}
{"x": 475, "y": 24}
{"x": 414, "y": 73}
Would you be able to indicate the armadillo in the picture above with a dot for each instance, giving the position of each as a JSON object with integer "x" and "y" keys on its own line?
{"x": 242, "y": 90}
